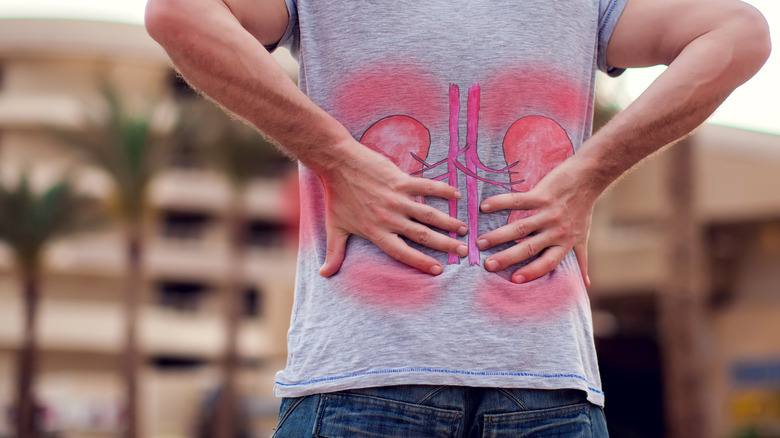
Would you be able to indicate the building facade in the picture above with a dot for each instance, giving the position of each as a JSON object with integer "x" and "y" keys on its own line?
{"x": 50, "y": 70}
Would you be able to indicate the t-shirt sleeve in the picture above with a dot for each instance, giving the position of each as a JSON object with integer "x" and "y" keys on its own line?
{"x": 609, "y": 14}
{"x": 290, "y": 38}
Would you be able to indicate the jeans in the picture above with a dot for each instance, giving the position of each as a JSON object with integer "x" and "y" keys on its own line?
{"x": 441, "y": 411}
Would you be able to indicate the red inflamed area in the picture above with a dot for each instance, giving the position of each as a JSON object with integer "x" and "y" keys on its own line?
{"x": 390, "y": 89}
{"x": 541, "y": 299}
{"x": 388, "y": 285}
{"x": 526, "y": 91}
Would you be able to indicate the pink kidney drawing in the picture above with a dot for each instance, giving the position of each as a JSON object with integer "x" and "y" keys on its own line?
{"x": 399, "y": 138}
{"x": 538, "y": 144}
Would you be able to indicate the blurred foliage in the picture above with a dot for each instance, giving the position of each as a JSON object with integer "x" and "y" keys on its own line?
{"x": 125, "y": 146}
{"x": 28, "y": 221}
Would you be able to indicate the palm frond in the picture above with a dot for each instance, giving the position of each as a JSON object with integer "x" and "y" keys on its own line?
{"x": 29, "y": 221}
{"x": 122, "y": 144}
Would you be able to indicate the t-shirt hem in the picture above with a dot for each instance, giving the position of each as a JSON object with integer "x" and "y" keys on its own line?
{"x": 434, "y": 376}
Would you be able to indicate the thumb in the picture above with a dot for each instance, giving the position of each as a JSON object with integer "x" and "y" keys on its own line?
{"x": 336, "y": 246}
{"x": 581, "y": 252}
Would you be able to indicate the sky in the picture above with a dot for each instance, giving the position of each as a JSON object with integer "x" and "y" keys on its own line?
{"x": 755, "y": 105}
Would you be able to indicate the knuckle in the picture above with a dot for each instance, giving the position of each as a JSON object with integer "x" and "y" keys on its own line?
{"x": 544, "y": 198}
{"x": 428, "y": 188}
{"x": 429, "y": 217}
{"x": 521, "y": 228}
{"x": 550, "y": 264}
{"x": 531, "y": 249}
{"x": 556, "y": 215}
{"x": 422, "y": 237}
{"x": 397, "y": 253}
{"x": 400, "y": 184}
{"x": 563, "y": 230}
{"x": 394, "y": 204}
{"x": 373, "y": 234}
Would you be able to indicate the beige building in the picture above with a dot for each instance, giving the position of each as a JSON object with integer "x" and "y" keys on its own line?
{"x": 736, "y": 208}
{"x": 49, "y": 69}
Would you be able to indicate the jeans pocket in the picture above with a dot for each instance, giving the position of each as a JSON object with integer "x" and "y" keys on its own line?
{"x": 570, "y": 421}
{"x": 354, "y": 415}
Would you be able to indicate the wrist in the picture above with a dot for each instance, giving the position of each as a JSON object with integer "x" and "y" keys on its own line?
{"x": 588, "y": 173}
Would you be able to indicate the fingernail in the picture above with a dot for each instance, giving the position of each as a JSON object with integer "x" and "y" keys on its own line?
{"x": 463, "y": 230}
{"x": 491, "y": 265}
{"x": 322, "y": 268}
{"x": 485, "y": 207}
{"x": 518, "y": 279}
{"x": 436, "y": 269}
{"x": 482, "y": 244}
{"x": 457, "y": 194}
{"x": 463, "y": 250}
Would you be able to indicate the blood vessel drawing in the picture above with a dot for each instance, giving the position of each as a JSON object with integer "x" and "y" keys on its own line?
{"x": 533, "y": 145}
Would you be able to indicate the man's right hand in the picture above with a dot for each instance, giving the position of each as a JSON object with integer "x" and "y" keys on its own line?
{"x": 369, "y": 196}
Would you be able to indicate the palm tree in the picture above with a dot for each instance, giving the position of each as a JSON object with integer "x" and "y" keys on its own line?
{"x": 241, "y": 154}
{"x": 28, "y": 222}
{"x": 682, "y": 303}
{"x": 126, "y": 147}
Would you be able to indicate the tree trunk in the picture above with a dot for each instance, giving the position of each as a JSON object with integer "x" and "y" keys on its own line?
{"x": 228, "y": 407}
{"x": 681, "y": 306}
{"x": 130, "y": 360}
{"x": 26, "y": 426}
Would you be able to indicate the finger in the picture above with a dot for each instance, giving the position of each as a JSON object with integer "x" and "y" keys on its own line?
{"x": 549, "y": 260}
{"x": 436, "y": 218}
{"x": 427, "y": 187}
{"x": 336, "y": 245}
{"x": 511, "y": 231}
{"x": 396, "y": 248}
{"x": 517, "y": 253}
{"x": 581, "y": 251}
{"x": 435, "y": 240}
{"x": 512, "y": 201}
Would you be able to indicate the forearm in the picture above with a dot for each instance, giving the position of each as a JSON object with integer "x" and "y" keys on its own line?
{"x": 219, "y": 51}
{"x": 697, "y": 81}
{"x": 212, "y": 50}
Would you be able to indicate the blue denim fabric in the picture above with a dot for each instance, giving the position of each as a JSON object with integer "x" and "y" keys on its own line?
{"x": 442, "y": 411}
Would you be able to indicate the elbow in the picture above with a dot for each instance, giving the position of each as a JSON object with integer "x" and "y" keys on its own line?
{"x": 164, "y": 20}
{"x": 751, "y": 35}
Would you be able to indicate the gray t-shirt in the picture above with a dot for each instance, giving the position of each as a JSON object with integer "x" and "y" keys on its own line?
{"x": 487, "y": 95}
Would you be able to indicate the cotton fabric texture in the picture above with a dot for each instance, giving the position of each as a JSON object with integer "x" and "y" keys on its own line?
{"x": 487, "y": 96}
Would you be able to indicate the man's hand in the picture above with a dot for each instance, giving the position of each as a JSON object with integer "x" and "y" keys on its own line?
{"x": 710, "y": 46}
{"x": 369, "y": 196}
{"x": 561, "y": 221}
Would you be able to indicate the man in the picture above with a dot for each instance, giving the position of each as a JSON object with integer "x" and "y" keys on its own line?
{"x": 455, "y": 125}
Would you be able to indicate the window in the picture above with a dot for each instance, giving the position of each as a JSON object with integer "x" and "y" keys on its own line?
{"x": 180, "y": 295}
{"x": 176, "y": 363}
{"x": 184, "y": 225}
{"x": 253, "y": 302}
{"x": 266, "y": 233}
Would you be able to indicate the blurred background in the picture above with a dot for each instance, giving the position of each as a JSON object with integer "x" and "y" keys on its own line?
{"x": 147, "y": 249}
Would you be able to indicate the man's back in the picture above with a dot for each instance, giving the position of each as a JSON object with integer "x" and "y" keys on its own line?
{"x": 487, "y": 96}
{"x": 483, "y": 104}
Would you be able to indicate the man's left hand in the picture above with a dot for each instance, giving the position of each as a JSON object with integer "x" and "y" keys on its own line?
{"x": 562, "y": 209}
